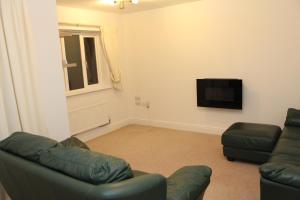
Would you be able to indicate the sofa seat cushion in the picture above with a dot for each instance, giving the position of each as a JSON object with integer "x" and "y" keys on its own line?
{"x": 27, "y": 145}
{"x": 95, "y": 168}
{"x": 250, "y": 136}
{"x": 281, "y": 173}
{"x": 137, "y": 173}
{"x": 74, "y": 142}
{"x": 188, "y": 183}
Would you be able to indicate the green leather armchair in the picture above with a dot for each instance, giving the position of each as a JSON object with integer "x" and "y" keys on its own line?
{"x": 26, "y": 180}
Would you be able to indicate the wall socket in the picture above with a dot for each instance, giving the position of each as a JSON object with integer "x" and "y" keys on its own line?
{"x": 146, "y": 104}
{"x": 137, "y": 100}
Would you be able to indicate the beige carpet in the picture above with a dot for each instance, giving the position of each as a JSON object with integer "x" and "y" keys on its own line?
{"x": 163, "y": 151}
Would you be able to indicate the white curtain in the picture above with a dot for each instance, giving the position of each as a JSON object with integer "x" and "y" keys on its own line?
{"x": 115, "y": 74}
{"x": 18, "y": 63}
{"x": 20, "y": 106}
{"x": 9, "y": 116}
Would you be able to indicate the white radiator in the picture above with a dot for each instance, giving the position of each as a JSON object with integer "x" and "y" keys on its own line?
{"x": 86, "y": 118}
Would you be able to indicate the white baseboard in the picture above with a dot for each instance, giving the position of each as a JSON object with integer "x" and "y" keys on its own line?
{"x": 92, "y": 134}
{"x": 89, "y": 135}
{"x": 179, "y": 126}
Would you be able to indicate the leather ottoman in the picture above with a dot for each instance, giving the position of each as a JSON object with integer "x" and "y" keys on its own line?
{"x": 250, "y": 142}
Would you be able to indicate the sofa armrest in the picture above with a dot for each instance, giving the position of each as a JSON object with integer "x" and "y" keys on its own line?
{"x": 145, "y": 187}
{"x": 281, "y": 173}
{"x": 188, "y": 183}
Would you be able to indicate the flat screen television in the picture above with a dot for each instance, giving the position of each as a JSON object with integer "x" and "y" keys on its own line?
{"x": 220, "y": 93}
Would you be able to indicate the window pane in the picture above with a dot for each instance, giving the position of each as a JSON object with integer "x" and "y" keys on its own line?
{"x": 73, "y": 55}
{"x": 91, "y": 61}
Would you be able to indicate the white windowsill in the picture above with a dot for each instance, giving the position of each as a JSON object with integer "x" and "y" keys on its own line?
{"x": 88, "y": 90}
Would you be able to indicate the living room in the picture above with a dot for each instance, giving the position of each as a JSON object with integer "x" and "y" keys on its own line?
{"x": 156, "y": 51}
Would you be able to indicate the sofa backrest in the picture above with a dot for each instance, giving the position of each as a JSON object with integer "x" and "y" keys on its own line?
{"x": 24, "y": 179}
{"x": 292, "y": 117}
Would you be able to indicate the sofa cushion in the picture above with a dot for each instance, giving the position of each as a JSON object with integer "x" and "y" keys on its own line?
{"x": 281, "y": 173}
{"x": 293, "y": 117}
{"x": 27, "y": 145}
{"x": 288, "y": 146}
{"x": 188, "y": 183}
{"x": 95, "y": 168}
{"x": 291, "y": 132}
{"x": 74, "y": 142}
{"x": 287, "y": 149}
{"x": 285, "y": 158}
{"x": 137, "y": 173}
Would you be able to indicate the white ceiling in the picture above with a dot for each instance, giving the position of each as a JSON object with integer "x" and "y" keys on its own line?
{"x": 98, "y": 5}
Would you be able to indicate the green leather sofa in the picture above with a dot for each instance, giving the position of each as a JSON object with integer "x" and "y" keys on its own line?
{"x": 25, "y": 179}
{"x": 280, "y": 176}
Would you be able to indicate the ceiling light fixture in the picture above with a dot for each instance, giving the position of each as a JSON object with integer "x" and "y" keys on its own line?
{"x": 120, "y": 3}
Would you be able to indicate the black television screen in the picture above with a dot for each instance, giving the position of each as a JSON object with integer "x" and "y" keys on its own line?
{"x": 220, "y": 93}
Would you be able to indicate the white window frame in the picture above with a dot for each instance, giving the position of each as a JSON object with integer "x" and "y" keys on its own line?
{"x": 103, "y": 80}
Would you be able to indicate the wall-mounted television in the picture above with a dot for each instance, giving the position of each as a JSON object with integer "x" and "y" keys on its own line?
{"x": 220, "y": 93}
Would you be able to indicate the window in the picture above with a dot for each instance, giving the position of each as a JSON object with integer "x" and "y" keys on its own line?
{"x": 81, "y": 62}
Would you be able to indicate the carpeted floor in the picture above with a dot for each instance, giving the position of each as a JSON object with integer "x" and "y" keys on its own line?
{"x": 163, "y": 151}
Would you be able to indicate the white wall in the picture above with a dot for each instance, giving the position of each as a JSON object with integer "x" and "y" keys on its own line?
{"x": 51, "y": 85}
{"x": 168, "y": 49}
{"x": 116, "y": 101}
{"x": 162, "y": 52}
